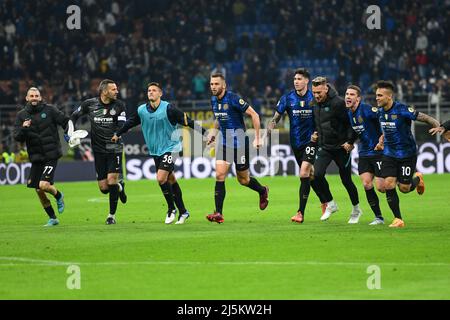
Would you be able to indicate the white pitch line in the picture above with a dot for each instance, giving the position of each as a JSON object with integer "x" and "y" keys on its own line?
{"x": 37, "y": 262}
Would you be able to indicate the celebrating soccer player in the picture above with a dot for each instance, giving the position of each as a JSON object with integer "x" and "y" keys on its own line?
{"x": 336, "y": 138}
{"x": 301, "y": 119}
{"x": 364, "y": 120}
{"x": 228, "y": 110}
{"x": 106, "y": 114}
{"x": 37, "y": 125}
{"x": 399, "y": 147}
{"x": 160, "y": 122}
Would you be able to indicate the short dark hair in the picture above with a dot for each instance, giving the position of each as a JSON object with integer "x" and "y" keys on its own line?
{"x": 218, "y": 75}
{"x": 383, "y": 84}
{"x": 156, "y": 84}
{"x": 104, "y": 85}
{"x": 303, "y": 72}
{"x": 356, "y": 88}
{"x": 317, "y": 81}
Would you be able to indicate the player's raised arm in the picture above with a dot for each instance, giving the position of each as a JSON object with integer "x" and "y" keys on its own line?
{"x": 256, "y": 125}
{"x": 422, "y": 117}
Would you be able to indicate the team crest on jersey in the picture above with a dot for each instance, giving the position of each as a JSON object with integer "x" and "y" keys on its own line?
{"x": 43, "y": 115}
{"x": 327, "y": 109}
{"x": 394, "y": 116}
{"x": 112, "y": 112}
{"x": 411, "y": 109}
{"x": 225, "y": 106}
{"x": 360, "y": 119}
{"x": 241, "y": 101}
{"x": 374, "y": 109}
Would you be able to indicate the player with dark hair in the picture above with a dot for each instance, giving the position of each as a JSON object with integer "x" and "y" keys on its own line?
{"x": 37, "y": 125}
{"x": 364, "y": 120}
{"x": 336, "y": 138}
{"x": 229, "y": 109}
{"x": 297, "y": 104}
{"x": 399, "y": 147}
{"x": 160, "y": 122}
{"x": 106, "y": 114}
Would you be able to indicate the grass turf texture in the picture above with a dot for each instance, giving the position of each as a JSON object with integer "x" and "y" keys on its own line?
{"x": 253, "y": 255}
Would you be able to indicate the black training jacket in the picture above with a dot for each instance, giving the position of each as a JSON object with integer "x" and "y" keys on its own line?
{"x": 41, "y": 138}
{"x": 332, "y": 122}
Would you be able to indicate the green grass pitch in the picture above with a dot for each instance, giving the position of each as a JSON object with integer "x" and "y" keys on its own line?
{"x": 253, "y": 255}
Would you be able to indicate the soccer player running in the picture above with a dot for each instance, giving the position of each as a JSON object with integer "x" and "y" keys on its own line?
{"x": 297, "y": 104}
{"x": 336, "y": 138}
{"x": 399, "y": 147}
{"x": 364, "y": 120}
{"x": 37, "y": 125}
{"x": 228, "y": 110}
{"x": 106, "y": 115}
{"x": 160, "y": 123}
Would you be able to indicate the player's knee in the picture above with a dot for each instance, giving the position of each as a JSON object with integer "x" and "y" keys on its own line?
{"x": 112, "y": 180}
{"x": 44, "y": 186}
{"x": 367, "y": 184}
{"x": 404, "y": 188}
{"x": 244, "y": 180}
{"x": 161, "y": 180}
{"x": 305, "y": 174}
{"x": 172, "y": 179}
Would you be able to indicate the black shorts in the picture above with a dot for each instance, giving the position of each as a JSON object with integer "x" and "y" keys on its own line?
{"x": 402, "y": 169}
{"x": 41, "y": 171}
{"x": 165, "y": 162}
{"x": 306, "y": 153}
{"x": 240, "y": 156}
{"x": 107, "y": 163}
{"x": 370, "y": 164}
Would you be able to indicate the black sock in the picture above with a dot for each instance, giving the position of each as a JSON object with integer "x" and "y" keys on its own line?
{"x": 168, "y": 194}
{"x": 219, "y": 195}
{"x": 50, "y": 212}
{"x": 255, "y": 185}
{"x": 178, "y": 197}
{"x": 414, "y": 184}
{"x": 113, "y": 197}
{"x": 305, "y": 187}
{"x": 58, "y": 195}
{"x": 394, "y": 202}
{"x": 315, "y": 187}
{"x": 374, "y": 202}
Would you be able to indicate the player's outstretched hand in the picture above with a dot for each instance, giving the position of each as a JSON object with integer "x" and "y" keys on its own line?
{"x": 439, "y": 130}
{"x": 115, "y": 138}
